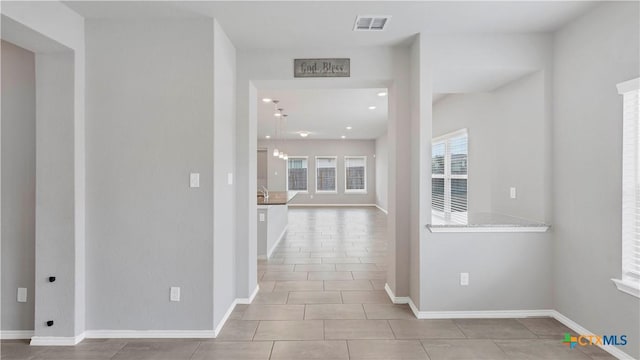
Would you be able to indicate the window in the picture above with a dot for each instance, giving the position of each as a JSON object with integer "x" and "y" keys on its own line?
{"x": 449, "y": 175}
{"x": 297, "y": 173}
{"x": 355, "y": 174}
{"x": 630, "y": 282}
{"x": 326, "y": 173}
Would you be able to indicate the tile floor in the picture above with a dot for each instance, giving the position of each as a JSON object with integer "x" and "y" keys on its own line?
{"x": 322, "y": 297}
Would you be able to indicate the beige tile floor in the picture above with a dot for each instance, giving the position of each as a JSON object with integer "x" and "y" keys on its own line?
{"x": 322, "y": 297}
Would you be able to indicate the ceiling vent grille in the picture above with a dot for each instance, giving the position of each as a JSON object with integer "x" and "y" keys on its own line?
{"x": 371, "y": 23}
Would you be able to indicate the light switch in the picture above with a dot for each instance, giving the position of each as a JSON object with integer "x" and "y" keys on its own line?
{"x": 512, "y": 192}
{"x": 22, "y": 295}
{"x": 261, "y": 217}
{"x": 175, "y": 294}
{"x": 194, "y": 180}
{"x": 230, "y": 178}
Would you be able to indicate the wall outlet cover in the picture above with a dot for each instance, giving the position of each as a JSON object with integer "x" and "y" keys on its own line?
{"x": 194, "y": 180}
{"x": 464, "y": 279}
{"x": 174, "y": 294}
{"x": 22, "y": 295}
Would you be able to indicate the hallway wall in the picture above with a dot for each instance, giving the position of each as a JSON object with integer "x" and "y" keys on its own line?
{"x": 150, "y": 123}
{"x": 382, "y": 171}
{"x": 18, "y": 185}
{"x": 592, "y": 55}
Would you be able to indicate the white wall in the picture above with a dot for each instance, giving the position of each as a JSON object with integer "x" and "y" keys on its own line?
{"x": 224, "y": 162}
{"x": 382, "y": 171}
{"x": 18, "y": 185}
{"x": 149, "y": 124}
{"x": 592, "y": 55}
{"x": 277, "y": 176}
{"x": 506, "y": 129}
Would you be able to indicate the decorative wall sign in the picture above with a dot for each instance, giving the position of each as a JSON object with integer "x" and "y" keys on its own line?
{"x": 305, "y": 68}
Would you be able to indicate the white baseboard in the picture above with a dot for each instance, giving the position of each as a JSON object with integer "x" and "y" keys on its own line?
{"x": 270, "y": 251}
{"x": 330, "y": 205}
{"x": 382, "y": 209}
{"x": 57, "y": 340}
{"x": 249, "y": 300}
{"x": 498, "y": 314}
{"x": 16, "y": 334}
{"x": 614, "y": 351}
{"x": 235, "y": 302}
{"x": 149, "y": 334}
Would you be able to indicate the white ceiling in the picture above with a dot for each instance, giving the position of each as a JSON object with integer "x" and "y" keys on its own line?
{"x": 325, "y": 113}
{"x": 300, "y": 24}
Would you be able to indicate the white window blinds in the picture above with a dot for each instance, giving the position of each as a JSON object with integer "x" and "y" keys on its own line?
{"x": 449, "y": 175}
{"x": 297, "y": 174}
{"x": 631, "y": 181}
{"x": 355, "y": 169}
{"x": 326, "y": 174}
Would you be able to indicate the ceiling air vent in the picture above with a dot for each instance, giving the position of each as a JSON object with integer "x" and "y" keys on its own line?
{"x": 371, "y": 23}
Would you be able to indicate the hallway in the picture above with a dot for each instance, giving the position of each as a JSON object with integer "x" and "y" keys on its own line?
{"x": 322, "y": 297}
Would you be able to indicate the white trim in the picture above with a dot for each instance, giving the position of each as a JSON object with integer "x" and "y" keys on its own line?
{"x": 16, "y": 334}
{"x": 497, "y": 314}
{"x": 218, "y": 328}
{"x": 330, "y": 205}
{"x": 149, "y": 334}
{"x": 485, "y": 229}
{"x": 627, "y": 286}
{"x": 628, "y": 86}
{"x": 249, "y": 300}
{"x": 396, "y": 299}
{"x": 381, "y": 209}
{"x": 270, "y": 251}
{"x": 455, "y": 133}
{"x": 581, "y": 330}
{"x": 56, "y": 340}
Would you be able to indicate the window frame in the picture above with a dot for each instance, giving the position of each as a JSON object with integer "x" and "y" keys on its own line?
{"x": 443, "y": 139}
{"x": 629, "y": 281}
{"x": 287, "y": 175}
{"x": 355, "y": 191}
{"x": 335, "y": 191}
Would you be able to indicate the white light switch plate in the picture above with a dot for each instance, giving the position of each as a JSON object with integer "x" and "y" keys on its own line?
{"x": 512, "y": 192}
{"x": 261, "y": 217}
{"x": 464, "y": 279}
{"x": 230, "y": 178}
{"x": 194, "y": 180}
{"x": 22, "y": 295}
{"x": 175, "y": 294}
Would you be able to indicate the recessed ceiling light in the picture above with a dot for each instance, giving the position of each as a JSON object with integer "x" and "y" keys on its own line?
{"x": 349, "y": 128}
{"x": 304, "y": 133}
{"x": 267, "y": 100}
{"x": 382, "y": 93}
{"x": 277, "y": 114}
{"x": 344, "y": 137}
{"x": 372, "y": 107}
{"x": 267, "y": 136}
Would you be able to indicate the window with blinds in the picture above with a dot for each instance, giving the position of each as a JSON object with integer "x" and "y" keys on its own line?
{"x": 630, "y": 282}
{"x": 355, "y": 170}
{"x": 297, "y": 173}
{"x": 449, "y": 176}
{"x": 326, "y": 173}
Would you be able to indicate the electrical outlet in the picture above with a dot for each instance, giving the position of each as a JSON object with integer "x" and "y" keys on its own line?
{"x": 22, "y": 295}
{"x": 175, "y": 294}
{"x": 464, "y": 279}
{"x": 512, "y": 192}
{"x": 194, "y": 180}
{"x": 261, "y": 217}
{"x": 230, "y": 178}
